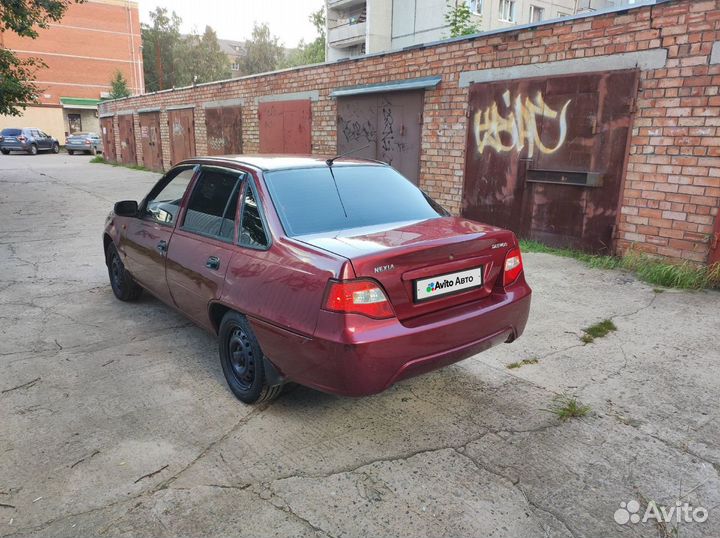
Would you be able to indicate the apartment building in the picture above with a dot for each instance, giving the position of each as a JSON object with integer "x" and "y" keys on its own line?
{"x": 356, "y": 27}
{"x": 82, "y": 52}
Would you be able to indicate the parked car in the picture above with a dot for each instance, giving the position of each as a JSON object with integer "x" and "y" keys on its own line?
{"x": 338, "y": 275}
{"x": 86, "y": 142}
{"x": 28, "y": 140}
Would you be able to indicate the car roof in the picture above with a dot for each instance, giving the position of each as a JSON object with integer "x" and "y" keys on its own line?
{"x": 268, "y": 162}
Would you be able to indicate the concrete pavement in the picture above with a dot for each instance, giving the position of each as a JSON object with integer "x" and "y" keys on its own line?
{"x": 115, "y": 419}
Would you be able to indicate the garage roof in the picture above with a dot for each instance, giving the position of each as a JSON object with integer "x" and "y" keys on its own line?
{"x": 422, "y": 83}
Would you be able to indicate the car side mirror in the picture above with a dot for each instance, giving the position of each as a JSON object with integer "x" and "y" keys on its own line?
{"x": 126, "y": 208}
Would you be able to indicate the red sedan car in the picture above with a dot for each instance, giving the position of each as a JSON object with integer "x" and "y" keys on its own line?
{"x": 338, "y": 275}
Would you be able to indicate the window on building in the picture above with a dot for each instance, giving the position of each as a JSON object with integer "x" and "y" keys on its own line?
{"x": 75, "y": 123}
{"x": 507, "y": 10}
{"x": 235, "y": 66}
{"x": 476, "y": 6}
{"x": 561, "y": 14}
{"x": 536, "y": 13}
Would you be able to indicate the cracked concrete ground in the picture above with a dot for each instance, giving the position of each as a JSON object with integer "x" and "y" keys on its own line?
{"x": 121, "y": 423}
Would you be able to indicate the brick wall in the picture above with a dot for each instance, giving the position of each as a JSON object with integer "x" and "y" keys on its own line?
{"x": 672, "y": 186}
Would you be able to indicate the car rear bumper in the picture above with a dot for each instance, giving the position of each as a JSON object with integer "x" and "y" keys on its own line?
{"x": 351, "y": 357}
{"x": 79, "y": 147}
{"x": 15, "y": 146}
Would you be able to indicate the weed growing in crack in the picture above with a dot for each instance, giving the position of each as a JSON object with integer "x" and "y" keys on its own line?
{"x": 524, "y": 362}
{"x": 598, "y": 330}
{"x": 565, "y": 406}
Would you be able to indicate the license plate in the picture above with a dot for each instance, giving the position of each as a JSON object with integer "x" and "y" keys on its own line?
{"x": 438, "y": 286}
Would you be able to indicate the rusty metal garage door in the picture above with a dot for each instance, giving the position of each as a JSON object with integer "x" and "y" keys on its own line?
{"x": 181, "y": 126}
{"x": 224, "y": 130}
{"x": 389, "y": 124}
{"x": 546, "y": 157}
{"x": 285, "y": 126}
{"x": 150, "y": 139}
{"x": 126, "y": 129}
{"x": 108, "y": 138}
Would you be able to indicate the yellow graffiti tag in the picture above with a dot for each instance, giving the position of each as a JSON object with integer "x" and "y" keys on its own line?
{"x": 519, "y": 127}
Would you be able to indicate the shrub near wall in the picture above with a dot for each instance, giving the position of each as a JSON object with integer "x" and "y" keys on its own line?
{"x": 672, "y": 186}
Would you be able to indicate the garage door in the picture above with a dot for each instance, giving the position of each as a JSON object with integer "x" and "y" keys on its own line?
{"x": 126, "y": 128}
{"x": 224, "y": 130}
{"x": 545, "y": 157}
{"x": 383, "y": 126}
{"x": 108, "y": 137}
{"x": 181, "y": 127}
{"x": 285, "y": 127}
{"x": 150, "y": 139}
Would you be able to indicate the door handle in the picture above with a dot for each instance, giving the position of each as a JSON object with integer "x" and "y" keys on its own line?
{"x": 162, "y": 247}
{"x": 213, "y": 262}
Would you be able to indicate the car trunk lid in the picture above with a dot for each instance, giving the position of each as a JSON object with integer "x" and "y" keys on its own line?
{"x": 424, "y": 266}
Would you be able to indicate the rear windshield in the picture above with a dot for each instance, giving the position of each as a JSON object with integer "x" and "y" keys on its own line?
{"x": 10, "y": 132}
{"x": 308, "y": 201}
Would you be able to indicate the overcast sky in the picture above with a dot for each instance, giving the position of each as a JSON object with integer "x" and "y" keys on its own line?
{"x": 233, "y": 19}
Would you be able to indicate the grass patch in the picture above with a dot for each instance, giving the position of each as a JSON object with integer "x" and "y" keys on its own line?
{"x": 566, "y": 406}
{"x": 524, "y": 362}
{"x": 99, "y": 159}
{"x": 651, "y": 270}
{"x": 598, "y": 330}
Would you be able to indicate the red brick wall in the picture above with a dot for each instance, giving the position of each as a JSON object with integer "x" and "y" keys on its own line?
{"x": 83, "y": 50}
{"x": 672, "y": 188}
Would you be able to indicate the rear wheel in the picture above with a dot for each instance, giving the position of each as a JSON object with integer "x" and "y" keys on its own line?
{"x": 33, "y": 150}
{"x": 56, "y": 148}
{"x": 70, "y": 152}
{"x": 243, "y": 362}
{"x": 123, "y": 286}
{"x": 5, "y": 151}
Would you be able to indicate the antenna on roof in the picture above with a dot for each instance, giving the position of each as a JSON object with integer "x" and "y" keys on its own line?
{"x": 330, "y": 162}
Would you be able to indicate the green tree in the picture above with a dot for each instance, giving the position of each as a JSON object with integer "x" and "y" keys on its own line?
{"x": 262, "y": 53}
{"x": 459, "y": 18}
{"x": 313, "y": 52}
{"x": 17, "y": 75}
{"x": 119, "y": 86}
{"x": 201, "y": 59}
{"x": 161, "y": 41}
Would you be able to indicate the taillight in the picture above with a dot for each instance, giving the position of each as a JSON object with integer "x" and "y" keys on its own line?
{"x": 21, "y": 138}
{"x": 513, "y": 266}
{"x": 87, "y": 142}
{"x": 364, "y": 297}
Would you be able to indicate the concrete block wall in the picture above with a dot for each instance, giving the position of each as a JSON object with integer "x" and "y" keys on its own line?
{"x": 671, "y": 192}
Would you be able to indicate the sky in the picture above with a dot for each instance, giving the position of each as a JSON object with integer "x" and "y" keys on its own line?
{"x": 233, "y": 19}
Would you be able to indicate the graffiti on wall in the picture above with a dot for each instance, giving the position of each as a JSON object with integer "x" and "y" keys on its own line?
{"x": 519, "y": 128}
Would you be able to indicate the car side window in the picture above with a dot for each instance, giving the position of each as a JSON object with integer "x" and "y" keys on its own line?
{"x": 164, "y": 206}
{"x": 213, "y": 204}
{"x": 252, "y": 231}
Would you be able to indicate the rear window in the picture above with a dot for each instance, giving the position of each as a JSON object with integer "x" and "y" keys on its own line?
{"x": 309, "y": 201}
{"x": 10, "y": 132}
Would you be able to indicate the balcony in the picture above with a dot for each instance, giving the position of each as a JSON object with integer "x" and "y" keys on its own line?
{"x": 347, "y": 35}
{"x": 344, "y": 4}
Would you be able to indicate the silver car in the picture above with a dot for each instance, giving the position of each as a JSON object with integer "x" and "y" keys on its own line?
{"x": 85, "y": 142}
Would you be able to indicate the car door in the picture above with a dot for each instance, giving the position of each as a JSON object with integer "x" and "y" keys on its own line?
{"x": 145, "y": 241}
{"x": 202, "y": 245}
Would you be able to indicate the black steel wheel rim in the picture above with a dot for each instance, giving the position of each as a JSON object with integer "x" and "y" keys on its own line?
{"x": 116, "y": 273}
{"x": 242, "y": 359}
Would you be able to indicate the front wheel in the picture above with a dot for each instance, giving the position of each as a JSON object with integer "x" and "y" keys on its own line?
{"x": 123, "y": 286}
{"x": 33, "y": 150}
{"x": 56, "y": 148}
{"x": 5, "y": 151}
{"x": 242, "y": 361}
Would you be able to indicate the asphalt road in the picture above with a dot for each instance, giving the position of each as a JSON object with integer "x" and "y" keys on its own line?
{"x": 115, "y": 419}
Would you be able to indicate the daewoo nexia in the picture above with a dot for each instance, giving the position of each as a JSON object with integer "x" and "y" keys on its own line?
{"x": 340, "y": 275}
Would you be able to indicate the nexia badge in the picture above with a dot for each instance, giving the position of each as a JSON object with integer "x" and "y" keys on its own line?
{"x": 383, "y": 268}
{"x": 499, "y": 245}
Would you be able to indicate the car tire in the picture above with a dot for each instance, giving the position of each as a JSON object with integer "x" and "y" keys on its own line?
{"x": 5, "y": 151}
{"x": 70, "y": 152}
{"x": 33, "y": 150}
{"x": 56, "y": 148}
{"x": 243, "y": 362}
{"x": 123, "y": 285}
{"x": 93, "y": 151}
